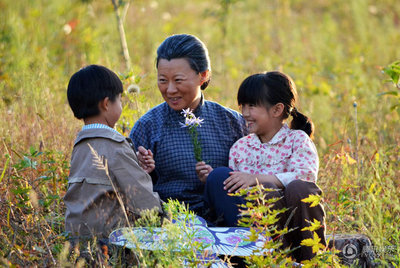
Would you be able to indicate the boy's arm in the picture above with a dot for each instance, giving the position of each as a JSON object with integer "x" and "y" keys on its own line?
{"x": 141, "y": 136}
{"x": 145, "y": 157}
{"x": 146, "y": 160}
{"x": 133, "y": 182}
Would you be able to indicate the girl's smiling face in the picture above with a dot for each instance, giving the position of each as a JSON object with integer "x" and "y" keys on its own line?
{"x": 257, "y": 118}
{"x": 262, "y": 121}
{"x": 179, "y": 84}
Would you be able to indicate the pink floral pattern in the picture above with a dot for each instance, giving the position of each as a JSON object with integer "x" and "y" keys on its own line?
{"x": 238, "y": 237}
{"x": 289, "y": 155}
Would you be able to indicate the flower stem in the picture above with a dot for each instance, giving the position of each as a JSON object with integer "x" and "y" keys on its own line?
{"x": 196, "y": 144}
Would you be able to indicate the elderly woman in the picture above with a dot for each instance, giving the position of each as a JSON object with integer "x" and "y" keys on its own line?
{"x": 165, "y": 148}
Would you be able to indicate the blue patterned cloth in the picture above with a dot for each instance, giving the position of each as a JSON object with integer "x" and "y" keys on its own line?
{"x": 175, "y": 176}
{"x": 231, "y": 241}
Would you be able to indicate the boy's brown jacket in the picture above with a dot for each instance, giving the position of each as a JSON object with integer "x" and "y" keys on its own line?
{"x": 92, "y": 206}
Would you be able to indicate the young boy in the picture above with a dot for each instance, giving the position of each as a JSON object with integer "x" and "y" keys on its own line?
{"x": 94, "y": 95}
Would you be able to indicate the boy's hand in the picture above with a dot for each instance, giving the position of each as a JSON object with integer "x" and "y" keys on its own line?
{"x": 203, "y": 170}
{"x": 239, "y": 180}
{"x": 146, "y": 160}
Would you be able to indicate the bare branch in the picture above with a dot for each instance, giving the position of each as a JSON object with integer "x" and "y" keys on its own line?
{"x": 122, "y": 37}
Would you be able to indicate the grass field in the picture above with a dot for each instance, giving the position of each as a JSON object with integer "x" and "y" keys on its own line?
{"x": 335, "y": 51}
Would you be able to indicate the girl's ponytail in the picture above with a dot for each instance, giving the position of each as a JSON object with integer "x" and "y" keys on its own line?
{"x": 302, "y": 122}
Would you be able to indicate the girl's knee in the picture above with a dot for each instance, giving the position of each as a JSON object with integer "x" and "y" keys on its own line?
{"x": 218, "y": 176}
{"x": 270, "y": 185}
{"x": 302, "y": 189}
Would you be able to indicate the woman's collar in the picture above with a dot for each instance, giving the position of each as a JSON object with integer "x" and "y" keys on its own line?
{"x": 196, "y": 111}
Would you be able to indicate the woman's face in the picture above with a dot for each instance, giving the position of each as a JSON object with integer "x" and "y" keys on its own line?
{"x": 179, "y": 84}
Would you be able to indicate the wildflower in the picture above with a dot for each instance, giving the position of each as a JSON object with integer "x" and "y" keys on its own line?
{"x": 197, "y": 122}
{"x": 133, "y": 89}
{"x": 192, "y": 122}
{"x": 188, "y": 122}
{"x": 187, "y": 113}
{"x": 67, "y": 29}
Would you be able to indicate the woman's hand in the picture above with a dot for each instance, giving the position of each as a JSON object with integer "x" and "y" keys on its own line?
{"x": 202, "y": 170}
{"x": 239, "y": 180}
{"x": 146, "y": 160}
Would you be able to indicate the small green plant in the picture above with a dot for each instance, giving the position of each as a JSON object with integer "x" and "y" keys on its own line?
{"x": 33, "y": 223}
{"x": 324, "y": 257}
{"x": 258, "y": 214}
{"x": 178, "y": 245}
{"x": 393, "y": 71}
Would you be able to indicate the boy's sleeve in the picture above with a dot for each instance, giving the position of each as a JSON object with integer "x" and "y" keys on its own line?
{"x": 303, "y": 163}
{"x": 133, "y": 182}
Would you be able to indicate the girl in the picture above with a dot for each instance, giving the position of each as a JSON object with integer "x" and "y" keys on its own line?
{"x": 278, "y": 156}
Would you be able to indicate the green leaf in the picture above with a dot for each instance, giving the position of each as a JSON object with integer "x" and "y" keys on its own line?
{"x": 137, "y": 79}
{"x": 313, "y": 199}
{"x": 32, "y": 150}
{"x": 393, "y": 71}
{"x": 314, "y": 226}
{"x": 394, "y": 93}
{"x": 313, "y": 242}
{"x": 20, "y": 190}
{"x": 4, "y": 169}
{"x": 41, "y": 116}
{"x": 394, "y": 107}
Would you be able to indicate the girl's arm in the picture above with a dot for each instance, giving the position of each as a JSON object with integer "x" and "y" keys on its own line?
{"x": 240, "y": 180}
{"x": 303, "y": 163}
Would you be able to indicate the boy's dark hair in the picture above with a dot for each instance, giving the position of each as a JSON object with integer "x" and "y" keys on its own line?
{"x": 89, "y": 86}
{"x": 270, "y": 88}
{"x": 188, "y": 47}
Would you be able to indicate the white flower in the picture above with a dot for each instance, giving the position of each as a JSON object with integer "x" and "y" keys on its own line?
{"x": 67, "y": 29}
{"x": 192, "y": 122}
{"x": 187, "y": 113}
{"x": 188, "y": 123}
{"x": 190, "y": 119}
{"x": 197, "y": 122}
{"x": 132, "y": 88}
